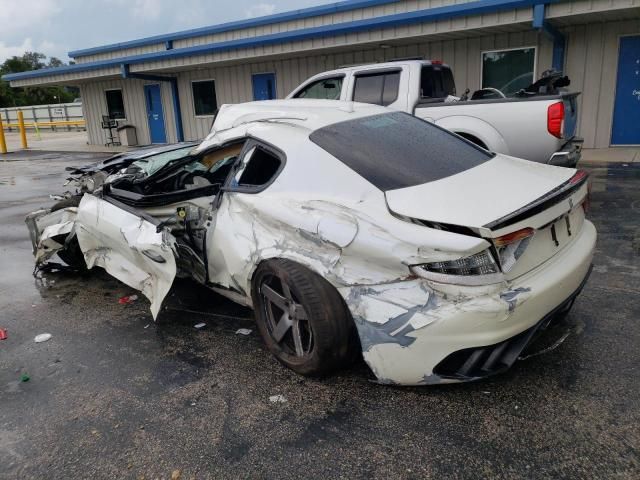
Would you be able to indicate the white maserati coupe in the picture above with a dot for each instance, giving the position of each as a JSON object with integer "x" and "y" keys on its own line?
{"x": 348, "y": 228}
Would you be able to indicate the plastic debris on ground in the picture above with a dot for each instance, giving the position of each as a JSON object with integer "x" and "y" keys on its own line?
{"x": 175, "y": 475}
{"x": 24, "y": 377}
{"x": 3, "y": 334}
{"x": 43, "y": 337}
{"x": 243, "y": 331}
{"x": 127, "y": 299}
{"x": 147, "y": 325}
{"x": 200, "y": 325}
{"x": 277, "y": 399}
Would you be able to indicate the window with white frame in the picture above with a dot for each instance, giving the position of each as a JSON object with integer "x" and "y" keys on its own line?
{"x": 508, "y": 70}
{"x": 204, "y": 97}
{"x": 115, "y": 104}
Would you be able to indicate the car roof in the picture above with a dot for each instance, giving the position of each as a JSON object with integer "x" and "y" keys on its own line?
{"x": 232, "y": 120}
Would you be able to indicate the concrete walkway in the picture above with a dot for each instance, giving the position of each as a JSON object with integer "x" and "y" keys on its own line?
{"x": 611, "y": 155}
{"x": 60, "y": 141}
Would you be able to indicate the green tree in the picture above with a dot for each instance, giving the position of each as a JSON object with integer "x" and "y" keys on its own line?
{"x": 19, "y": 96}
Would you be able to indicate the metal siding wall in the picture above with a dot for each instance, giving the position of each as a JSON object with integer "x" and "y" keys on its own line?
{"x": 233, "y": 83}
{"x": 95, "y": 106}
{"x": 592, "y": 65}
{"x": 357, "y": 14}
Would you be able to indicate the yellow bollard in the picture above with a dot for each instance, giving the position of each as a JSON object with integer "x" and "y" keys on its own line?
{"x": 3, "y": 143}
{"x": 23, "y": 131}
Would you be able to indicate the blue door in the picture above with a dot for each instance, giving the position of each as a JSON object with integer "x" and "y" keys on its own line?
{"x": 264, "y": 86}
{"x": 626, "y": 110}
{"x": 155, "y": 115}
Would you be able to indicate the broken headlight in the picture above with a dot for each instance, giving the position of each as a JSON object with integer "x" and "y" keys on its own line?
{"x": 480, "y": 268}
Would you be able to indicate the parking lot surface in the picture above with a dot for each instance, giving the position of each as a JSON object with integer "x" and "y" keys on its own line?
{"x": 114, "y": 395}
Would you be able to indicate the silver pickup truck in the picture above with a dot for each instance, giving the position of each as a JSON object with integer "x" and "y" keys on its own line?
{"x": 537, "y": 123}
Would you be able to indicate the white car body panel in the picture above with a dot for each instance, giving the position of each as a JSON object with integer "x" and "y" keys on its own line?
{"x": 127, "y": 247}
{"x": 322, "y": 215}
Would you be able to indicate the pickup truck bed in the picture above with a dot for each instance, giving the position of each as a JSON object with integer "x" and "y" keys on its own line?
{"x": 541, "y": 128}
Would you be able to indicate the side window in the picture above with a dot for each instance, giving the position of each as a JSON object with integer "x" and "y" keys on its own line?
{"x": 436, "y": 82}
{"x": 115, "y": 104}
{"x": 378, "y": 88}
{"x": 258, "y": 169}
{"x": 325, "y": 89}
{"x": 204, "y": 97}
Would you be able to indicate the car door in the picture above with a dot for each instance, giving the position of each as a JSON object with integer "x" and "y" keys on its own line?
{"x": 128, "y": 245}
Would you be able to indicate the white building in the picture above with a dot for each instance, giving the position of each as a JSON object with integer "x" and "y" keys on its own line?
{"x": 169, "y": 86}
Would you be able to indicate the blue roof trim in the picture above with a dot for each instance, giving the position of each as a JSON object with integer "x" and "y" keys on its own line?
{"x": 432, "y": 14}
{"x": 225, "y": 27}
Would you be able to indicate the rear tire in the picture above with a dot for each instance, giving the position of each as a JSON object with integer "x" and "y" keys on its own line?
{"x": 71, "y": 254}
{"x": 302, "y": 318}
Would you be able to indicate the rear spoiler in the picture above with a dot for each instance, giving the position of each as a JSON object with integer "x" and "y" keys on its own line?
{"x": 556, "y": 195}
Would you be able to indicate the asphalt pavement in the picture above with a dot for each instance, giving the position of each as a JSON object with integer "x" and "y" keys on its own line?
{"x": 113, "y": 394}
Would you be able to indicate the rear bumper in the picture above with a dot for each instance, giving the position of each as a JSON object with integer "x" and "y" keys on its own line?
{"x": 569, "y": 155}
{"x": 476, "y": 363}
{"x": 409, "y": 329}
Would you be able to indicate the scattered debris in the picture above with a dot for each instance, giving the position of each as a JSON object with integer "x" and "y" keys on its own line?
{"x": 175, "y": 475}
{"x": 193, "y": 404}
{"x": 3, "y": 334}
{"x": 277, "y": 399}
{"x": 25, "y": 378}
{"x": 127, "y": 299}
{"x": 147, "y": 325}
{"x": 43, "y": 337}
{"x": 200, "y": 325}
{"x": 243, "y": 331}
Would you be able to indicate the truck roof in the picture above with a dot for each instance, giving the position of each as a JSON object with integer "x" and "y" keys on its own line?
{"x": 382, "y": 65}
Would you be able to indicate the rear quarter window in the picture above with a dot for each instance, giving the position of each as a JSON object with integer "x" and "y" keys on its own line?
{"x": 396, "y": 150}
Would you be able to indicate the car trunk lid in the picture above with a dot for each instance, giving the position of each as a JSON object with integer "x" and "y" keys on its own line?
{"x": 478, "y": 196}
{"x": 498, "y": 199}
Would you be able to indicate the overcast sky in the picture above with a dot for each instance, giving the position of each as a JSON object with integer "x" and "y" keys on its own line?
{"x": 55, "y": 27}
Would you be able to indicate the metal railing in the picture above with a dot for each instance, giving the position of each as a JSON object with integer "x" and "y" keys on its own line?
{"x": 61, "y": 115}
{"x": 57, "y": 116}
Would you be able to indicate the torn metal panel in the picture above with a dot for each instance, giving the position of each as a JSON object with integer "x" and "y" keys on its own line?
{"x": 128, "y": 247}
{"x": 49, "y": 231}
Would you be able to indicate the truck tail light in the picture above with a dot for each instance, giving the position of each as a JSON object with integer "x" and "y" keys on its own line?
{"x": 555, "y": 117}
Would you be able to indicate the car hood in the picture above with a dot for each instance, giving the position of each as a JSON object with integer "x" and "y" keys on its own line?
{"x": 122, "y": 160}
{"x": 481, "y": 195}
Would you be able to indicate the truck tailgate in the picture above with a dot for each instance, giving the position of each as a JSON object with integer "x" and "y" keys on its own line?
{"x": 570, "y": 101}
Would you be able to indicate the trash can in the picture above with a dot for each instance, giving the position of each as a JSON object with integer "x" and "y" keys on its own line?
{"x": 127, "y": 134}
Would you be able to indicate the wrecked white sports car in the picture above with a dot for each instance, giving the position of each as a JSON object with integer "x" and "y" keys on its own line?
{"x": 347, "y": 227}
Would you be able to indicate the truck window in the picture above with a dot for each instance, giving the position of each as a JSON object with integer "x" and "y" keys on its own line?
{"x": 325, "y": 89}
{"x": 436, "y": 81}
{"x": 379, "y": 88}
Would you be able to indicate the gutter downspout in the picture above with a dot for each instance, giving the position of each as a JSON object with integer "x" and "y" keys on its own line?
{"x": 177, "y": 111}
{"x": 559, "y": 40}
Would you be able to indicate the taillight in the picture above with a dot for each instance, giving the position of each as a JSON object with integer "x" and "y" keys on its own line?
{"x": 555, "y": 116}
{"x": 478, "y": 269}
{"x": 578, "y": 177}
{"x": 511, "y": 246}
{"x": 513, "y": 237}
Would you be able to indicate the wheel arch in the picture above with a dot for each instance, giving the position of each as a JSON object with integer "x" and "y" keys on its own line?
{"x": 479, "y": 129}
